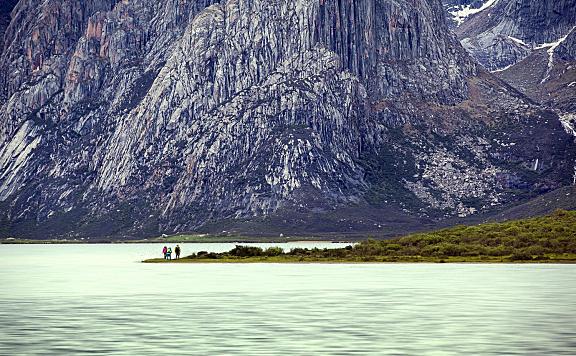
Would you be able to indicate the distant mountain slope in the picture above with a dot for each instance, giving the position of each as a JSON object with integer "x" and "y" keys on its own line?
{"x": 547, "y": 76}
{"x": 531, "y": 45}
{"x": 562, "y": 198}
{"x": 506, "y": 31}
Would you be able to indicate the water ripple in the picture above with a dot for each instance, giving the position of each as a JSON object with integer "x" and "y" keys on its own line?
{"x": 124, "y": 308}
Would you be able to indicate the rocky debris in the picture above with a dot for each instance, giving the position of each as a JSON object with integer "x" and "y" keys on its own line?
{"x": 145, "y": 117}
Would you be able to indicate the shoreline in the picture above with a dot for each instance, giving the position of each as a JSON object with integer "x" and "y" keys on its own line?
{"x": 549, "y": 259}
{"x": 231, "y": 241}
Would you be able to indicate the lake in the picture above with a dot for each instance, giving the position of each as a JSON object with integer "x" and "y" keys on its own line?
{"x": 98, "y": 299}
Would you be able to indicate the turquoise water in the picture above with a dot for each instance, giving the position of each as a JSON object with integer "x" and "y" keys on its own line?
{"x": 97, "y": 299}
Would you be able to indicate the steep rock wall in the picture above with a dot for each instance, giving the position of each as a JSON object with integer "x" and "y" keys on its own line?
{"x": 131, "y": 117}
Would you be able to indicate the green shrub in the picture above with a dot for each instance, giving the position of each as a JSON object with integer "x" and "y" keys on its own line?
{"x": 520, "y": 256}
{"x": 246, "y": 251}
{"x": 534, "y": 250}
{"x": 369, "y": 248}
{"x": 205, "y": 254}
{"x": 338, "y": 253}
{"x": 393, "y": 247}
{"x": 299, "y": 252}
{"x": 273, "y": 251}
{"x": 431, "y": 250}
{"x": 498, "y": 251}
{"x": 522, "y": 240}
{"x": 448, "y": 249}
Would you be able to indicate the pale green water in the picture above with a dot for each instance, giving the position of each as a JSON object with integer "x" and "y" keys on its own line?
{"x": 96, "y": 299}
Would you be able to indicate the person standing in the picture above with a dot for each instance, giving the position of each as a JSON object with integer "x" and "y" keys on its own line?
{"x": 169, "y": 253}
{"x": 165, "y": 252}
{"x": 177, "y": 251}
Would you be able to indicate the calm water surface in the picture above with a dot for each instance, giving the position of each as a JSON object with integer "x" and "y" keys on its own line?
{"x": 97, "y": 299}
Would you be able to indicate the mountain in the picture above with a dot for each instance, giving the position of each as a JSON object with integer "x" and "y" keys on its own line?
{"x": 531, "y": 45}
{"x": 130, "y": 118}
{"x": 503, "y": 32}
{"x": 560, "y": 199}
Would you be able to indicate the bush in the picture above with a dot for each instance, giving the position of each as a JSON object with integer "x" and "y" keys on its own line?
{"x": 273, "y": 251}
{"x": 498, "y": 251}
{"x": 447, "y": 249}
{"x": 369, "y": 248}
{"x": 299, "y": 251}
{"x": 246, "y": 251}
{"x": 474, "y": 250}
{"x": 393, "y": 247}
{"x": 513, "y": 231}
{"x": 205, "y": 254}
{"x": 338, "y": 253}
{"x": 432, "y": 250}
{"x": 521, "y": 256}
{"x": 534, "y": 250}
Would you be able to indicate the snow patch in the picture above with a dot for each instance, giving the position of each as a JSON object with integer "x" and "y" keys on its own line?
{"x": 464, "y": 11}
{"x": 551, "y": 48}
{"x": 569, "y": 123}
{"x": 519, "y": 41}
{"x": 503, "y": 69}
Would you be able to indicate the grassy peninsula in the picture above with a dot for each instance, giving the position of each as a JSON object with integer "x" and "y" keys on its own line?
{"x": 549, "y": 238}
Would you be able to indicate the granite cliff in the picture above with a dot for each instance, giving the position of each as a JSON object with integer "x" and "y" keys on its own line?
{"x": 130, "y": 118}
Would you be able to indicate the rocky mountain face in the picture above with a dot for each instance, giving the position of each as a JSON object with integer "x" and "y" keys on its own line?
{"x": 529, "y": 44}
{"x": 506, "y": 31}
{"x": 5, "y": 10}
{"x": 130, "y": 118}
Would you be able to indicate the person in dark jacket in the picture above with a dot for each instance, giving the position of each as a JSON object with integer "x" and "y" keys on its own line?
{"x": 177, "y": 251}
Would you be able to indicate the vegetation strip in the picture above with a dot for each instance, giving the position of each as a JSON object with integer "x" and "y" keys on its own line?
{"x": 549, "y": 238}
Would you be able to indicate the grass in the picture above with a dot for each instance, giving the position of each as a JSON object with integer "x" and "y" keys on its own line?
{"x": 549, "y": 238}
{"x": 550, "y": 258}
